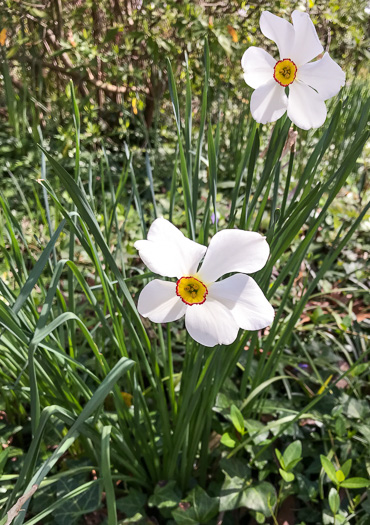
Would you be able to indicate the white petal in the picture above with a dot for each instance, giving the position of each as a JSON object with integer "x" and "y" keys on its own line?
{"x": 159, "y": 302}
{"x": 246, "y": 301}
{"x": 279, "y": 30}
{"x": 258, "y": 67}
{"x": 306, "y": 109}
{"x": 306, "y": 42}
{"x": 211, "y": 323}
{"x": 324, "y": 75}
{"x": 233, "y": 251}
{"x": 268, "y": 102}
{"x": 168, "y": 252}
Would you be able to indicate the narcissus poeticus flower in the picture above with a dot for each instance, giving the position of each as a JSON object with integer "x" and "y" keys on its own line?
{"x": 309, "y": 83}
{"x": 214, "y": 310}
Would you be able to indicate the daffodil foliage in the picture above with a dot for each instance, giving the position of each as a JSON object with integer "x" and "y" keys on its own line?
{"x": 161, "y": 335}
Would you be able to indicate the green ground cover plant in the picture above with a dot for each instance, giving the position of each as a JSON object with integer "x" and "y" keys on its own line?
{"x": 107, "y": 416}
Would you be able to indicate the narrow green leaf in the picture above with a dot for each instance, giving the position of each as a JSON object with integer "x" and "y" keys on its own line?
{"x": 280, "y": 458}
{"x": 88, "y": 216}
{"x": 346, "y": 467}
{"x": 212, "y": 172}
{"x": 260, "y": 388}
{"x": 328, "y": 466}
{"x": 107, "y": 476}
{"x": 355, "y": 483}
{"x": 37, "y": 270}
{"x": 97, "y": 399}
{"x": 151, "y": 184}
{"x": 203, "y": 115}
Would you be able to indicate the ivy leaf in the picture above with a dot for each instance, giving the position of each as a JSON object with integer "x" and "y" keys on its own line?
{"x": 205, "y": 507}
{"x": 232, "y": 491}
{"x": 236, "y": 493}
{"x": 132, "y": 504}
{"x": 198, "y": 507}
{"x": 86, "y": 502}
{"x": 166, "y": 496}
{"x": 235, "y": 468}
{"x": 185, "y": 515}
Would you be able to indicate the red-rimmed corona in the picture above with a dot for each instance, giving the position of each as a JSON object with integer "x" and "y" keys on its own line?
{"x": 191, "y": 290}
{"x": 293, "y": 82}
{"x": 285, "y": 72}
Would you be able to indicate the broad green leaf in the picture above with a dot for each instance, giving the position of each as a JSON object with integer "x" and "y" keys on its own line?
{"x": 260, "y": 498}
{"x": 228, "y": 440}
{"x": 205, "y": 507}
{"x": 201, "y": 510}
{"x": 334, "y": 500}
{"x": 235, "y": 468}
{"x": 83, "y": 503}
{"x": 340, "y": 426}
{"x": 232, "y": 493}
{"x": 237, "y": 492}
{"x": 287, "y": 476}
{"x": 346, "y": 467}
{"x": 329, "y": 468}
{"x": 292, "y": 454}
{"x": 133, "y": 504}
{"x": 355, "y": 483}
{"x": 340, "y": 476}
{"x": 237, "y": 419}
{"x": 166, "y": 496}
{"x": 63, "y": 504}
{"x": 293, "y": 463}
{"x": 185, "y": 515}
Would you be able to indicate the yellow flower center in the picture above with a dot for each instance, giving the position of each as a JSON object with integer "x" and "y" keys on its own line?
{"x": 285, "y": 72}
{"x": 191, "y": 290}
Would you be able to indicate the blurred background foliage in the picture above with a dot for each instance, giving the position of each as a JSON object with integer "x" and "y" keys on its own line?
{"x": 115, "y": 51}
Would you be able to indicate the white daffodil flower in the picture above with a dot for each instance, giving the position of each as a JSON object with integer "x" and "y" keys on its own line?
{"x": 309, "y": 83}
{"x": 214, "y": 310}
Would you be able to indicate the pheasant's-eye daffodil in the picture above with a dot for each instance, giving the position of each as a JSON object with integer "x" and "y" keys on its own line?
{"x": 308, "y": 83}
{"x": 214, "y": 309}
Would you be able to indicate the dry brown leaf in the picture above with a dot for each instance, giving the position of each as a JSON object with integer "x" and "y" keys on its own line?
{"x": 15, "y": 510}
